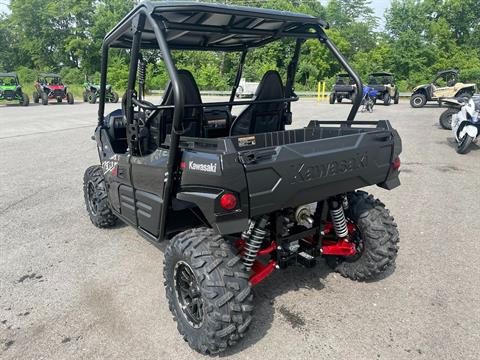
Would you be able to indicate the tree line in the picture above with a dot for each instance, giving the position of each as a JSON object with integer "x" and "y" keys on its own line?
{"x": 417, "y": 38}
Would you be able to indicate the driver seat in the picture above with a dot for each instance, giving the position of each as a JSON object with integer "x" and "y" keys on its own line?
{"x": 264, "y": 117}
{"x": 193, "y": 118}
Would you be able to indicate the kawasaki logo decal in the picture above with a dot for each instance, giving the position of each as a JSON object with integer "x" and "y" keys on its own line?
{"x": 304, "y": 173}
{"x": 211, "y": 168}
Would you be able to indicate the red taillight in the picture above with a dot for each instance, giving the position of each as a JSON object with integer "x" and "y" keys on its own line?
{"x": 396, "y": 163}
{"x": 228, "y": 201}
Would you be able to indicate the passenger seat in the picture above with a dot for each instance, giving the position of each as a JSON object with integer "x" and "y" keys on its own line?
{"x": 193, "y": 118}
{"x": 265, "y": 117}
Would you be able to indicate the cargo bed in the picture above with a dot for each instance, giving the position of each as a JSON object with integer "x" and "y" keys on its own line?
{"x": 295, "y": 167}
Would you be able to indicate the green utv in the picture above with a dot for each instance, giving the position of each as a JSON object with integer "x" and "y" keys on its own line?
{"x": 91, "y": 93}
{"x": 10, "y": 89}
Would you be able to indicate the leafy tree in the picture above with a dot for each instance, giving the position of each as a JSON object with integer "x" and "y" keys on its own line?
{"x": 420, "y": 38}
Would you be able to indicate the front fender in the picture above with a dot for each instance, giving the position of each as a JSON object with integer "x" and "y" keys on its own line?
{"x": 470, "y": 130}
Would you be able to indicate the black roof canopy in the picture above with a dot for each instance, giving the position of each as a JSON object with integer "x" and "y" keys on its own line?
{"x": 202, "y": 26}
{"x": 449, "y": 71}
{"x": 49, "y": 75}
{"x": 380, "y": 73}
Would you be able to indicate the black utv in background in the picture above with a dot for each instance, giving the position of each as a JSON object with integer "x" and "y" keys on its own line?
{"x": 344, "y": 88}
{"x": 236, "y": 197}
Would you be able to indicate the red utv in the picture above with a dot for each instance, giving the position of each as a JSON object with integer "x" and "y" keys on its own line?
{"x": 50, "y": 86}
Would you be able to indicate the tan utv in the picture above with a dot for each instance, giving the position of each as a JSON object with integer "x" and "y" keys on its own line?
{"x": 444, "y": 85}
{"x": 384, "y": 83}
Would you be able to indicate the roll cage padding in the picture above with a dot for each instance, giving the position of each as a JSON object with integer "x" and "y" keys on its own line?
{"x": 264, "y": 117}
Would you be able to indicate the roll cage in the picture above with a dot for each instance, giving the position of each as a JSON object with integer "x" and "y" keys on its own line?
{"x": 212, "y": 27}
{"x": 449, "y": 76}
{"x": 344, "y": 79}
{"x": 381, "y": 78}
{"x": 9, "y": 76}
{"x": 43, "y": 78}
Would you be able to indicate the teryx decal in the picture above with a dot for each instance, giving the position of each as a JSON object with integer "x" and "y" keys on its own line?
{"x": 110, "y": 165}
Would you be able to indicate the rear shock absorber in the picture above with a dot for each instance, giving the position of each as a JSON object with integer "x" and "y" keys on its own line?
{"x": 142, "y": 70}
{"x": 253, "y": 237}
{"x": 338, "y": 219}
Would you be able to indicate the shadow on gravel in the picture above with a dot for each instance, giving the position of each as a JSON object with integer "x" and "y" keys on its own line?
{"x": 453, "y": 144}
{"x": 280, "y": 282}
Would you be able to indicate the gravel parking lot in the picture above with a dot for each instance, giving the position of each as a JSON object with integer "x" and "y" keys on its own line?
{"x": 69, "y": 290}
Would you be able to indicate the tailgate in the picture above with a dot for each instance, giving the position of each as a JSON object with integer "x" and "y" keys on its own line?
{"x": 297, "y": 173}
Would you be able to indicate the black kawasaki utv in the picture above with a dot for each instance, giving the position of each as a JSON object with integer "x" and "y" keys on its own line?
{"x": 10, "y": 89}
{"x": 384, "y": 83}
{"x": 236, "y": 197}
{"x": 344, "y": 88}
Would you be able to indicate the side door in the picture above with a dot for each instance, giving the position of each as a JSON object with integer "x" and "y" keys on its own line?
{"x": 442, "y": 87}
{"x": 148, "y": 179}
{"x": 116, "y": 170}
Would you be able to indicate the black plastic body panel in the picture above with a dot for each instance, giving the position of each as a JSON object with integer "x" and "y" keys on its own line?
{"x": 344, "y": 90}
{"x": 267, "y": 172}
{"x": 333, "y": 161}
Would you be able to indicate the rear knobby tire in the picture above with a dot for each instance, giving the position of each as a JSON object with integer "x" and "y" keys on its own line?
{"x": 331, "y": 98}
{"x": 70, "y": 98}
{"x": 114, "y": 97}
{"x": 221, "y": 286}
{"x": 96, "y": 198}
{"x": 379, "y": 235}
{"x": 387, "y": 99}
{"x": 35, "y": 97}
{"x": 396, "y": 99}
{"x": 446, "y": 118}
{"x": 85, "y": 96}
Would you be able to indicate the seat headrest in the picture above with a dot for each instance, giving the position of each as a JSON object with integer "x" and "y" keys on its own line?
{"x": 190, "y": 89}
{"x": 270, "y": 87}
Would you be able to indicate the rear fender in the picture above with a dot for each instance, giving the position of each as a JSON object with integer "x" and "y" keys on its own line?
{"x": 207, "y": 200}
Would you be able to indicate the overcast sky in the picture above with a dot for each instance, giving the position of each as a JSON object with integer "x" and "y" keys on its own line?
{"x": 380, "y": 6}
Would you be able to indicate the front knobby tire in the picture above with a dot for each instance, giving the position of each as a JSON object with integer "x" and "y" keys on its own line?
{"x": 418, "y": 100}
{"x": 464, "y": 144}
{"x": 216, "y": 311}
{"x": 44, "y": 99}
{"x": 114, "y": 98}
{"x": 378, "y": 235}
{"x": 25, "y": 100}
{"x": 92, "y": 98}
{"x": 96, "y": 198}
